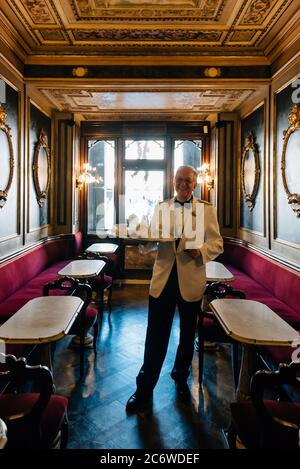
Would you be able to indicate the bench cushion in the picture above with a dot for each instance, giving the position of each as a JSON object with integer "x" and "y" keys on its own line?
{"x": 31, "y": 289}
{"x": 18, "y": 271}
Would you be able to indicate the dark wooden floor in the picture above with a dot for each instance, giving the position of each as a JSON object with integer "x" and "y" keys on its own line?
{"x": 97, "y": 405}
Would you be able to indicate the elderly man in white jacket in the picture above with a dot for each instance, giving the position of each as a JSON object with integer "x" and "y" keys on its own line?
{"x": 190, "y": 237}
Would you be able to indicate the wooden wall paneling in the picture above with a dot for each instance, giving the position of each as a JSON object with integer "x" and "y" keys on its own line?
{"x": 63, "y": 172}
{"x": 214, "y": 168}
{"x": 227, "y": 175}
{"x": 11, "y": 214}
{"x": 252, "y": 225}
{"x": 38, "y": 218}
{"x": 285, "y": 226}
{"x": 75, "y": 173}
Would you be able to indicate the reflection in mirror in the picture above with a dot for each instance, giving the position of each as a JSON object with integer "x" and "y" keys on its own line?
{"x": 290, "y": 170}
{"x": 250, "y": 171}
{"x": 41, "y": 169}
{"x": 6, "y": 158}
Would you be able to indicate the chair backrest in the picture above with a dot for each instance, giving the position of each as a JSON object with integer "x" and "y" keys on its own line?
{"x": 24, "y": 429}
{"x": 275, "y": 432}
{"x": 70, "y": 286}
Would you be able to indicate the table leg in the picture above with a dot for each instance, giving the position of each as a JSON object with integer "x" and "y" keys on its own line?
{"x": 45, "y": 356}
{"x": 248, "y": 368}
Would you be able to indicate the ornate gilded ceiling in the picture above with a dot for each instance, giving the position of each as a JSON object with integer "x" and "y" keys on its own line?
{"x": 145, "y": 27}
{"x": 109, "y": 42}
{"x": 132, "y": 105}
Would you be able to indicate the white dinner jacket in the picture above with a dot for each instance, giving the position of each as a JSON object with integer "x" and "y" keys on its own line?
{"x": 191, "y": 272}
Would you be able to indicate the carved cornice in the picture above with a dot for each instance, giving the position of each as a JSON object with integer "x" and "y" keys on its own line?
{"x": 146, "y": 35}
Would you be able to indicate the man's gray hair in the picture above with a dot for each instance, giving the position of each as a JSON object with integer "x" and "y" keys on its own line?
{"x": 188, "y": 166}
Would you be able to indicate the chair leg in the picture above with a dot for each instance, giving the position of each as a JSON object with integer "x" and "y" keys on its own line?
{"x": 100, "y": 305}
{"x": 64, "y": 433}
{"x": 109, "y": 299}
{"x": 235, "y": 363}
{"x": 81, "y": 352}
{"x": 96, "y": 330}
{"x": 231, "y": 435}
{"x": 200, "y": 349}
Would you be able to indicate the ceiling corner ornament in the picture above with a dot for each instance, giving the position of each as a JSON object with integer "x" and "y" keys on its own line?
{"x": 250, "y": 171}
{"x": 80, "y": 72}
{"x": 41, "y": 169}
{"x": 294, "y": 118}
{"x": 212, "y": 72}
{"x": 6, "y": 129}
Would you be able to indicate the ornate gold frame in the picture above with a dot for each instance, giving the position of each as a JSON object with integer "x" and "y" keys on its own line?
{"x": 6, "y": 129}
{"x": 250, "y": 145}
{"x": 41, "y": 195}
{"x": 294, "y": 119}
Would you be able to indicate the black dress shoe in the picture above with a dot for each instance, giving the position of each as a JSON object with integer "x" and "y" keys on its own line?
{"x": 138, "y": 402}
{"x": 183, "y": 391}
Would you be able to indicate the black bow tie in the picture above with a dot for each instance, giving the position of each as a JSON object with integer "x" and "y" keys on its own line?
{"x": 185, "y": 202}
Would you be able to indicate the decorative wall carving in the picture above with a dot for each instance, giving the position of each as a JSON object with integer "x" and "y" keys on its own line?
{"x": 7, "y": 136}
{"x": 250, "y": 176}
{"x": 294, "y": 118}
{"x": 41, "y": 169}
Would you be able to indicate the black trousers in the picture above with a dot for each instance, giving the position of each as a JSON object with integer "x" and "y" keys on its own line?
{"x": 160, "y": 317}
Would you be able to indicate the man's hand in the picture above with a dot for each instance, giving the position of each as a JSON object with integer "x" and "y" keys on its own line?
{"x": 194, "y": 253}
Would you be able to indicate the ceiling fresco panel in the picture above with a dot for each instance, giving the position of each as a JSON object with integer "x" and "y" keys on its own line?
{"x": 139, "y": 10}
{"x": 38, "y": 11}
{"x": 86, "y": 101}
{"x": 258, "y": 10}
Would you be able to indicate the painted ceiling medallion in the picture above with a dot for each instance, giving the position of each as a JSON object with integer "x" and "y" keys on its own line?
{"x": 212, "y": 72}
{"x": 80, "y": 72}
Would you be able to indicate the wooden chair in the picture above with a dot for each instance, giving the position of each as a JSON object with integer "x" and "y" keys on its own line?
{"x": 103, "y": 282}
{"x": 33, "y": 419}
{"x": 88, "y": 315}
{"x": 269, "y": 424}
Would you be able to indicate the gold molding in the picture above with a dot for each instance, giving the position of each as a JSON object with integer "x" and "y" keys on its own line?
{"x": 294, "y": 118}
{"x": 6, "y": 129}
{"x": 41, "y": 194}
{"x": 250, "y": 146}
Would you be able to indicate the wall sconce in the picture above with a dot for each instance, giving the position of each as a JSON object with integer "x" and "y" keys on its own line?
{"x": 86, "y": 176}
{"x": 204, "y": 176}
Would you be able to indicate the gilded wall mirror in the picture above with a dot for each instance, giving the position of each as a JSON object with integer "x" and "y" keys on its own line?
{"x": 41, "y": 169}
{"x": 6, "y": 158}
{"x": 290, "y": 161}
{"x": 250, "y": 171}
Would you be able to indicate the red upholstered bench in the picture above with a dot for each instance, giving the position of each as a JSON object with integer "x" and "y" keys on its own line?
{"x": 266, "y": 280}
{"x": 23, "y": 276}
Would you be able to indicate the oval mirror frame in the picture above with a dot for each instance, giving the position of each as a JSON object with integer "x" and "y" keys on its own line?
{"x": 42, "y": 144}
{"x": 6, "y": 129}
{"x": 294, "y": 118}
{"x": 250, "y": 146}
